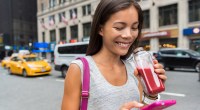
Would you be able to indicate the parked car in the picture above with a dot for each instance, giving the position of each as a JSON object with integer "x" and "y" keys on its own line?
{"x": 179, "y": 58}
{"x": 28, "y": 65}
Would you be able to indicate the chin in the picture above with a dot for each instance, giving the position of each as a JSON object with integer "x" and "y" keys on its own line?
{"x": 123, "y": 53}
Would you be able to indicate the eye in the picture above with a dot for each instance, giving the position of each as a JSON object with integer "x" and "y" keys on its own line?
{"x": 134, "y": 28}
{"x": 118, "y": 28}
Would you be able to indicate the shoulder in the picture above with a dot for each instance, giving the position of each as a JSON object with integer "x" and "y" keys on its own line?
{"x": 74, "y": 70}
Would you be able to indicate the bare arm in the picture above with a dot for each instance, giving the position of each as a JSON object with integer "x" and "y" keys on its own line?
{"x": 72, "y": 89}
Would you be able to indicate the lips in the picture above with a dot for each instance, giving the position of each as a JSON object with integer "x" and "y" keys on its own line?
{"x": 123, "y": 44}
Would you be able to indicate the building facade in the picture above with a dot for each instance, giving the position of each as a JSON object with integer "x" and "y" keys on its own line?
{"x": 64, "y": 21}
{"x": 166, "y": 22}
{"x": 18, "y": 26}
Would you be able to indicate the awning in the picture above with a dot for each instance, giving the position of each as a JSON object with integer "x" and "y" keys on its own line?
{"x": 39, "y": 51}
{"x": 191, "y": 31}
{"x": 40, "y": 45}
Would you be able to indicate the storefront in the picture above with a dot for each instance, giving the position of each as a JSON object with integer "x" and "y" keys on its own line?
{"x": 170, "y": 40}
{"x": 193, "y": 35}
{"x": 165, "y": 39}
{"x": 145, "y": 43}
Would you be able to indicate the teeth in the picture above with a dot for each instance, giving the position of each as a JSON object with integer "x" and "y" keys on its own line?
{"x": 123, "y": 44}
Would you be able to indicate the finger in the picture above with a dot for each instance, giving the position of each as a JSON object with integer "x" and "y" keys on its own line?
{"x": 133, "y": 104}
{"x": 155, "y": 61}
{"x": 161, "y": 74}
{"x": 135, "y": 72}
{"x": 163, "y": 77}
{"x": 158, "y": 65}
{"x": 160, "y": 71}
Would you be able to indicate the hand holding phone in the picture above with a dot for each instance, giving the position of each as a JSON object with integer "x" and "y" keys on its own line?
{"x": 159, "y": 105}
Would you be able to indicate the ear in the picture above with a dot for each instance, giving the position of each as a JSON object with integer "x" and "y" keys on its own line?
{"x": 100, "y": 31}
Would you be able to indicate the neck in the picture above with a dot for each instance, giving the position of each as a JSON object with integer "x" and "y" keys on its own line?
{"x": 106, "y": 58}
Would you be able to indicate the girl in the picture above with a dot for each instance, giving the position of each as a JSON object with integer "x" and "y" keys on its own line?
{"x": 114, "y": 82}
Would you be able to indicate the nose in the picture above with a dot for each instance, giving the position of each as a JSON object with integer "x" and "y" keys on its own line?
{"x": 126, "y": 33}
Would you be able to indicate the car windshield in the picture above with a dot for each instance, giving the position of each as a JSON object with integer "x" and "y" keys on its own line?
{"x": 194, "y": 53}
{"x": 30, "y": 59}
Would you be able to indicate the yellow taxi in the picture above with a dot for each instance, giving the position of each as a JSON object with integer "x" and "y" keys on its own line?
{"x": 5, "y": 61}
{"x": 28, "y": 65}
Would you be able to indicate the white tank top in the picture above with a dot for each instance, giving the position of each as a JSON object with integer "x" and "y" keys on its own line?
{"x": 105, "y": 96}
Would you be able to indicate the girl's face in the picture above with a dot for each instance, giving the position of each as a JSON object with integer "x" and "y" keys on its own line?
{"x": 120, "y": 31}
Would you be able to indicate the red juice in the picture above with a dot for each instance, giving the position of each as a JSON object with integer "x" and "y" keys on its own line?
{"x": 152, "y": 83}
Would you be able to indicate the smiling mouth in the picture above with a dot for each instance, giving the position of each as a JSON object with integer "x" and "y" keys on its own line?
{"x": 123, "y": 45}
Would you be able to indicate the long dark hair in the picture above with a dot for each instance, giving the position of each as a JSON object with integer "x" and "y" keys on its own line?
{"x": 104, "y": 10}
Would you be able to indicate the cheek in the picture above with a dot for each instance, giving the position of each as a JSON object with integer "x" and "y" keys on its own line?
{"x": 111, "y": 33}
{"x": 135, "y": 34}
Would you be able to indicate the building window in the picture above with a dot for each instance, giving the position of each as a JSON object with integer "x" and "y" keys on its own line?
{"x": 73, "y": 13}
{"x": 86, "y": 10}
{"x": 61, "y": 15}
{"x": 51, "y": 20}
{"x": 63, "y": 34}
{"x": 168, "y": 15}
{"x": 43, "y": 36}
{"x": 74, "y": 32}
{"x": 146, "y": 23}
{"x": 194, "y": 10}
{"x": 42, "y": 7}
{"x": 52, "y": 3}
{"x": 62, "y": 1}
{"x": 52, "y": 36}
{"x": 86, "y": 29}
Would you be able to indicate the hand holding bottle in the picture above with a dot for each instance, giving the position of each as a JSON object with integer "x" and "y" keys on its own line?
{"x": 148, "y": 68}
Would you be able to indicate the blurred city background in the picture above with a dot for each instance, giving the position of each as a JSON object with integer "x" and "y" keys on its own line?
{"x": 40, "y": 25}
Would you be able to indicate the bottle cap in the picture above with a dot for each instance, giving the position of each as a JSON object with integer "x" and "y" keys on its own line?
{"x": 138, "y": 49}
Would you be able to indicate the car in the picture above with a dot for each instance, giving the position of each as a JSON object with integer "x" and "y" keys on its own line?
{"x": 64, "y": 54}
{"x": 28, "y": 65}
{"x": 179, "y": 58}
{"x": 4, "y": 62}
{"x": 8, "y": 62}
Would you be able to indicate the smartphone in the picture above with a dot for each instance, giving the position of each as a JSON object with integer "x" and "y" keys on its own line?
{"x": 159, "y": 105}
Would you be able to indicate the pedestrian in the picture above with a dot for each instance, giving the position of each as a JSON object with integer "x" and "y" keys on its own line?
{"x": 114, "y": 82}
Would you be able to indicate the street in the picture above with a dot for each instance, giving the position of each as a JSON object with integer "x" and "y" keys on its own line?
{"x": 32, "y": 93}
{"x": 45, "y": 92}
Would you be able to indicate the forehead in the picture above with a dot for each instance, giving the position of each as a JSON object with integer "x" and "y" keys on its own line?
{"x": 128, "y": 14}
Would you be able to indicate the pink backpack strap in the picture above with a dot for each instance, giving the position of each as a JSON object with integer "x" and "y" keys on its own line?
{"x": 85, "y": 83}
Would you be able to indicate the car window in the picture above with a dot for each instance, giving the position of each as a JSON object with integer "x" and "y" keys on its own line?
{"x": 29, "y": 59}
{"x": 14, "y": 59}
{"x": 194, "y": 53}
{"x": 168, "y": 52}
{"x": 182, "y": 54}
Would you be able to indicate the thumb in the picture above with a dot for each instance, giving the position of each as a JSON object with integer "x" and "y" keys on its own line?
{"x": 130, "y": 105}
{"x": 136, "y": 72}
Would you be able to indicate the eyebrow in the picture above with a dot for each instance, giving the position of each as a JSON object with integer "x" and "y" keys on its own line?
{"x": 125, "y": 23}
